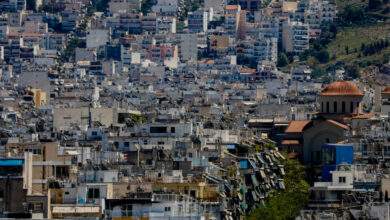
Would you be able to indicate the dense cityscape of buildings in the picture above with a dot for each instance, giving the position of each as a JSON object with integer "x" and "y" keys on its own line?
{"x": 178, "y": 111}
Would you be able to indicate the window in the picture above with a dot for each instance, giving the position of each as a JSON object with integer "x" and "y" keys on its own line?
{"x": 193, "y": 193}
{"x": 61, "y": 171}
{"x": 127, "y": 210}
{"x": 172, "y": 129}
{"x": 335, "y": 107}
{"x": 328, "y": 156}
{"x": 167, "y": 209}
{"x": 341, "y": 179}
{"x": 93, "y": 193}
{"x": 160, "y": 143}
{"x": 327, "y": 107}
{"x": 127, "y": 144}
{"x": 190, "y": 155}
{"x": 145, "y": 142}
{"x": 158, "y": 130}
{"x": 322, "y": 106}
{"x": 327, "y": 140}
{"x": 94, "y": 133}
{"x": 351, "y": 107}
{"x": 343, "y": 106}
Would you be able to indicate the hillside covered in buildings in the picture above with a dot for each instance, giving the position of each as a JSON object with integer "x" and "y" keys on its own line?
{"x": 195, "y": 109}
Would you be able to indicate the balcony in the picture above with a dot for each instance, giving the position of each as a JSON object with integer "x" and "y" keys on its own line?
{"x": 324, "y": 203}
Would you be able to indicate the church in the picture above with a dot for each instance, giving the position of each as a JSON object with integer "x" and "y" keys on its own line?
{"x": 339, "y": 103}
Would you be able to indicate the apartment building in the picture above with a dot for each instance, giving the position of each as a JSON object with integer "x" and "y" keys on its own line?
{"x": 295, "y": 37}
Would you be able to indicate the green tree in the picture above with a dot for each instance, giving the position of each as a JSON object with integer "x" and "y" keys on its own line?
{"x": 30, "y": 5}
{"x": 374, "y": 4}
{"x": 323, "y": 56}
{"x": 353, "y": 71}
{"x": 317, "y": 72}
{"x": 288, "y": 203}
{"x": 282, "y": 60}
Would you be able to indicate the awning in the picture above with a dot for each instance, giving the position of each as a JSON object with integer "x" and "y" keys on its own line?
{"x": 244, "y": 205}
{"x": 231, "y": 146}
{"x": 252, "y": 163}
{"x": 242, "y": 188}
{"x": 262, "y": 174}
{"x": 259, "y": 157}
{"x": 281, "y": 184}
{"x": 239, "y": 196}
{"x": 76, "y": 209}
{"x": 282, "y": 171}
{"x": 228, "y": 186}
{"x": 72, "y": 152}
{"x": 254, "y": 195}
{"x": 11, "y": 162}
{"x": 254, "y": 180}
{"x": 290, "y": 142}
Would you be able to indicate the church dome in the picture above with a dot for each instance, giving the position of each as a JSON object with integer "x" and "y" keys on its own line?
{"x": 341, "y": 88}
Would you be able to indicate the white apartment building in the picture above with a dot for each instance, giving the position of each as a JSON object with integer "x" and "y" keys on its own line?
{"x": 295, "y": 37}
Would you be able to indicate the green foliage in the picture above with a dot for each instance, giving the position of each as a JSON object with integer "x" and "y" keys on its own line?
{"x": 100, "y": 5}
{"x": 323, "y": 56}
{"x": 137, "y": 118}
{"x": 90, "y": 10}
{"x": 30, "y": 5}
{"x": 374, "y": 48}
{"x": 282, "y": 60}
{"x": 288, "y": 203}
{"x": 374, "y": 4}
{"x": 317, "y": 72}
{"x": 195, "y": 6}
{"x": 146, "y": 6}
{"x": 70, "y": 50}
{"x": 180, "y": 26}
{"x": 48, "y": 7}
{"x": 353, "y": 15}
{"x": 353, "y": 71}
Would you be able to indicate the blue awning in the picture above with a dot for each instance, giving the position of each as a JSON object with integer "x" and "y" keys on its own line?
{"x": 231, "y": 146}
{"x": 254, "y": 180}
{"x": 244, "y": 164}
{"x": 252, "y": 163}
{"x": 11, "y": 162}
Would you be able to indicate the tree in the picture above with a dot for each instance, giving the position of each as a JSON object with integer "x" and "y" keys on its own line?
{"x": 30, "y": 5}
{"x": 323, "y": 56}
{"x": 353, "y": 71}
{"x": 374, "y": 4}
{"x": 317, "y": 72}
{"x": 353, "y": 14}
{"x": 282, "y": 60}
{"x": 288, "y": 203}
{"x": 195, "y": 6}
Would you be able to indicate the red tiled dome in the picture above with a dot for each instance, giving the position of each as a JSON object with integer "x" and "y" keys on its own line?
{"x": 386, "y": 90}
{"x": 341, "y": 88}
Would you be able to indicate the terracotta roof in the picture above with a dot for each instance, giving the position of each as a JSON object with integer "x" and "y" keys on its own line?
{"x": 341, "y": 88}
{"x": 247, "y": 70}
{"x": 338, "y": 124}
{"x": 386, "y": 90}
{"x": 290, "y": 142}
{"x": 292, "y": 155}
{"x": 232, "y": 7}
{"x": 365, "y": 116}
{"x": 296, "y": 126}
